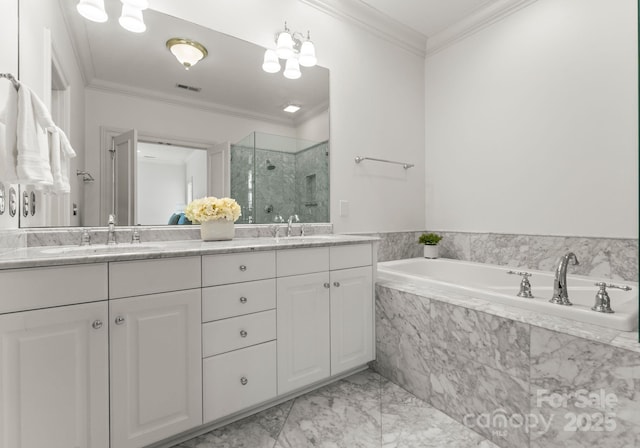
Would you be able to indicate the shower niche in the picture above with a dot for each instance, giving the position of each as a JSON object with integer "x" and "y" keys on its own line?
{"x": 274, "y": 177}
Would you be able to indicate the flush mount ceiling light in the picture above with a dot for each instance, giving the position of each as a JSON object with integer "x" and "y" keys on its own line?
{"x": 131, "y": 18}
{"x": 187, "y": 52}
{"x": 292, "y": 108}
{"x": 296, "y": 49}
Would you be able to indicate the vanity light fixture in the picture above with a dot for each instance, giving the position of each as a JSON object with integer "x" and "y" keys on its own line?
{"x": 292, "y": 108}
{"x": 92, "y": 10}
{"x": 131, "y": 18}
{"x": 187, "y": 52}
{"x": 296, "y": 49}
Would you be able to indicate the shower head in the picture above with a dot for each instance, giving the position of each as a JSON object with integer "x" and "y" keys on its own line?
{"x": 270, "y": 166}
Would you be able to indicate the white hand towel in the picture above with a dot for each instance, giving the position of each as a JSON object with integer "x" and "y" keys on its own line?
{"x": 8, "y": 149}
{"x": 34, "y": 120}
{"x": 61, "y": 152}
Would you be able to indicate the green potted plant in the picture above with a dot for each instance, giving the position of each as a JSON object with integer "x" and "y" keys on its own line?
{"x": 430, "y": 242}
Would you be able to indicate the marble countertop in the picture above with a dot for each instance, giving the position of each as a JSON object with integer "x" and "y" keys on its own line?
{"x": 64, "y": 255}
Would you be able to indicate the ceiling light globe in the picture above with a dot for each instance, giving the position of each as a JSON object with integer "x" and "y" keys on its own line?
{"x": 137, "y": 4}
{"x": 187, "y": 52}
{"x": 292, "y": 69}
{"x": 131, "y": 19}
{"x": 307, "y": 56}
{"x": 92, "y": 10}
{"x": 271, "y": 63}
{"x": 284, "y": 45}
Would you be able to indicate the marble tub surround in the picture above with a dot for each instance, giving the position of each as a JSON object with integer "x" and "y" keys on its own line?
{"x": 614, "y": 258}
{"x": 474, "y": 363}
{"x": 361, "y": 411}
{"x": 68, "y": 236}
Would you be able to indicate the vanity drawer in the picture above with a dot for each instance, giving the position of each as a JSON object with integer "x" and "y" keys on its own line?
{"x": 221, "y": 302}
{"x": 136, "y": 278}
{"x": 237, "y": 380}
{"x": 32, "y": 288}
{"x": 302, "y": 261}
{"x": 235, "y": 268}
{"x": 351, "y": 256}
{"x": 237, "y": 332}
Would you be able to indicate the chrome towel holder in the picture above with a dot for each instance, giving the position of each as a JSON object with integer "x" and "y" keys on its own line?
{"x": 405, "y": 165}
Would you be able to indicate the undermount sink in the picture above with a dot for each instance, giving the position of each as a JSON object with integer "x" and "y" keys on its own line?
{"x": 99, "y": 249}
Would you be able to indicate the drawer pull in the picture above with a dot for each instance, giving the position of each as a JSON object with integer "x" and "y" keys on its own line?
{"x": 336, "y": 284}
{"x": 243, "y": 300}
{"x": 243, "y": 334}
{"x": 97, "y": 324}
{"x": 327, "y": 285}
{"x": 119, "y": 320}
{"x": 244, "y": 380}
{"x": 243, "y": 268}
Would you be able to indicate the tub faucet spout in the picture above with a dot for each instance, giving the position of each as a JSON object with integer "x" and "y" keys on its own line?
{"x": 560, "y": 292}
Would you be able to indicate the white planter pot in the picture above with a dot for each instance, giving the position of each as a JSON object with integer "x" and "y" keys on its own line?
{"x": 431, "y": 251}
{"x": 219, "y": 230}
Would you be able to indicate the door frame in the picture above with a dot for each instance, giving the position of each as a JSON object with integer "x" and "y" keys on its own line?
{"x": 107, "y": 133}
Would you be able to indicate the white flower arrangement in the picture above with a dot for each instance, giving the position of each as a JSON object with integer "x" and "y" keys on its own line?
{"x": 212, "y": 209}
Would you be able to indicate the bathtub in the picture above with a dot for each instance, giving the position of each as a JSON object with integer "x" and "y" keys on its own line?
{"x": 492, "y": 283}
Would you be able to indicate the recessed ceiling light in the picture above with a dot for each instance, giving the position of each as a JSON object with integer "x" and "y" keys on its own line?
{"x": 292, "y": 109}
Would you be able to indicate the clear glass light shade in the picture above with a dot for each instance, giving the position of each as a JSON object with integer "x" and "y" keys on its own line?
{"x": 284, "y": 46}
{"x": 307, "y": 56}
{"x": 271, "y": 63}
{"x": 292, "y": 69}
{"x": 131, "y": 19}
{"x": 186, "y": 54}
{"x": 137, "y": 4}
{"x": 92, "y": 10}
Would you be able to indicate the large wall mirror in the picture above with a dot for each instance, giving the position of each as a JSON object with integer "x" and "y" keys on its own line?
{"x": 151, "y": 135}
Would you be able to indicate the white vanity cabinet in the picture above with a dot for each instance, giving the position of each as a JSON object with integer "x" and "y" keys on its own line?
{"x": 325, "y": 313}
{"x": 238, "y": 332}
{"x": 54, "y": 384}
{"x": 155, "y": 350}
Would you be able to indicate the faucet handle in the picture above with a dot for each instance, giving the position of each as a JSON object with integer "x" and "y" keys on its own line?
{"x": 525, "y": 284}
{"x": 111, "y": 219}
{"x": 604, "y": 285}
{"x": 135, "y": 236}
{"x": 603, "y": 301}
{"x": 85, "y": 239}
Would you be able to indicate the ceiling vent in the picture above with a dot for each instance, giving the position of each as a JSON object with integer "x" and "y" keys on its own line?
{"x": 190, "y": 88}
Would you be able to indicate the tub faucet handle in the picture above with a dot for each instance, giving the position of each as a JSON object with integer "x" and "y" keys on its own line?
{"x": 603, "y": 301}
{"x": 525, "y": 284}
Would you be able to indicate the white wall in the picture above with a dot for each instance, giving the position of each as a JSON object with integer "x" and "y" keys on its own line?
{"x": 160, "y": 119}
{"x": 532, "y": 124}
{"x": 8, "y": 64}
{"x": 315, "y": 128}
{"x": 196, "y": 168}
{"x": 376, "y": 103}
{"x": 43, "y": 33}
{"x": 161, "y": 186}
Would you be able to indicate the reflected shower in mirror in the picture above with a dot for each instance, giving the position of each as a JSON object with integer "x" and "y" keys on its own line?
{"x": 118, "y": 81}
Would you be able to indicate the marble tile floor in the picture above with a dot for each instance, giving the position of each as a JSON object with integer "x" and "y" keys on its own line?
{"x": 364, "y": 410}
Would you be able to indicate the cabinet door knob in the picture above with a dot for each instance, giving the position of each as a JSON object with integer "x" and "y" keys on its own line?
{"x": 243, "y": 268}
{"x": 244, "y": 380}
{"x": 336, "y": 284}
{"x": 327, "y": 285}
{"x": 243, "y": 334}
{"x": 119, "y": 320}
{"x": 243, "y": 300}
{"x": 97, "y": 324}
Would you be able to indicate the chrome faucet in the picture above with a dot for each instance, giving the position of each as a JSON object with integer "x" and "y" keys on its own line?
{"x": 111, "y": 227}
{"x": 292, "y": 219}
{"x": 560, "y": 293}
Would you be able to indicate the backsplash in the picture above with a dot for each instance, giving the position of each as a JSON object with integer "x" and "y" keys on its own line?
{"x": 614, "y": 258}
{"x": 12, "y": 239}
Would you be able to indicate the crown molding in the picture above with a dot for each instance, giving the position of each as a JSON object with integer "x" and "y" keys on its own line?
{"x": 373, "y": 21}
{"x": 476, "y": 21}
{"x": 110, "y": 87}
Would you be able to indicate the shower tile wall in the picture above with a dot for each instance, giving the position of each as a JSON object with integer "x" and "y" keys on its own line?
{"x": 312, "y": 183}
{"x": 241, "y": 165}
{"x": 274, "y": 188}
